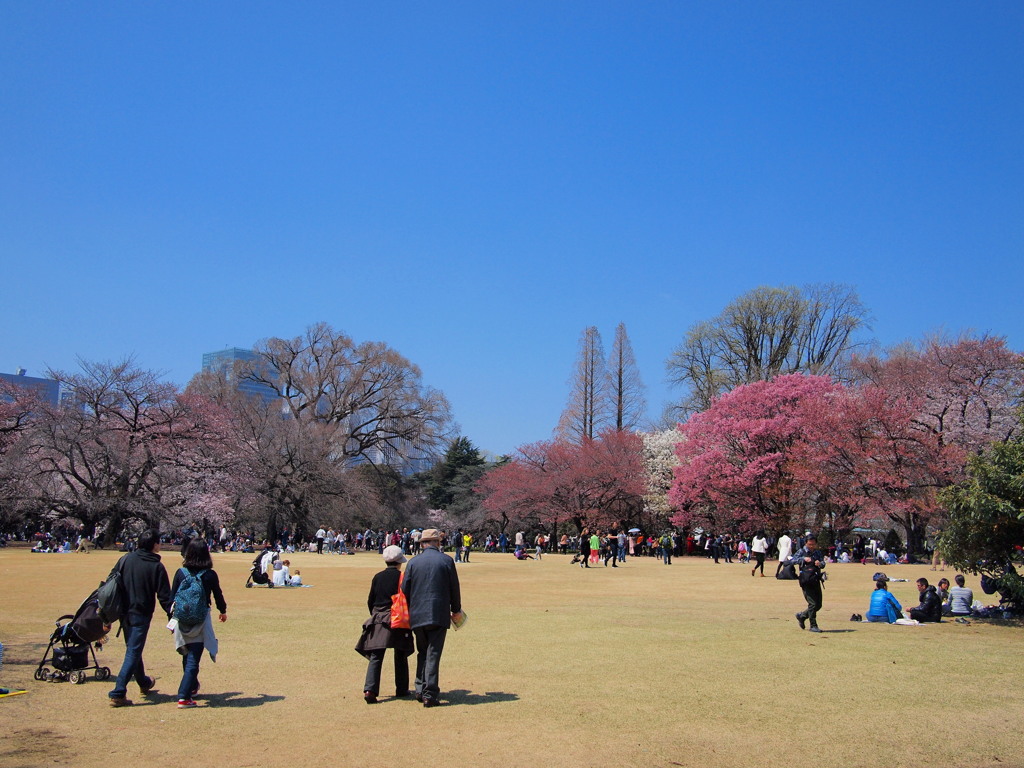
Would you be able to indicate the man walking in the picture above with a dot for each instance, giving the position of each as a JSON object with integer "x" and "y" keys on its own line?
{"x": 431, "y": 585}
{"x": 811, "y": 561}
{"x": 144, "y": 580}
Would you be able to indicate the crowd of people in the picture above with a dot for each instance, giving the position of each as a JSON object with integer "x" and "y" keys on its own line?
{"x": 429, "y": 588}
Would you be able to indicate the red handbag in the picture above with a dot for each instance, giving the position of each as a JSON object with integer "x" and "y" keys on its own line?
{"x": 399, "y": 608}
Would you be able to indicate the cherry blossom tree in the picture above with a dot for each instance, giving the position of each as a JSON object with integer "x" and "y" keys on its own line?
{"x": 966, "y": 391}
{"x": 734, "y": 458}
{"x": 17, "y": 406}
{"x": 598, "y": 482}
{"x": 660, "y": 462}
{"x": 865, "y": 459}
{"x": 124, "y": 446}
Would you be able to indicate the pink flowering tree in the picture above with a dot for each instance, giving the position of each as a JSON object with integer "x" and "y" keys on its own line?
{"x": 597, "y": 483}
{"x": 734, "y": 458}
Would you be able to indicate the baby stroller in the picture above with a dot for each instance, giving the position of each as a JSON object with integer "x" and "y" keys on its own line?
{"x": 71, "y": 645}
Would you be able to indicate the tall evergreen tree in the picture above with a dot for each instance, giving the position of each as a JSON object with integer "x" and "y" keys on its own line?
{"x": 586, "y": 413}
{"x": 442, "y": 481}
{"x": 625, "y": 388}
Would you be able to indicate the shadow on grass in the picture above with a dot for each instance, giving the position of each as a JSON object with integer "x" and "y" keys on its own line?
{"x": 235, "y": 699}
{"x": 227, "y": 699}
{"x": 490, "y": 697}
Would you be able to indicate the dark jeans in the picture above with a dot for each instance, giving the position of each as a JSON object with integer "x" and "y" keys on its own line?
{"x": 373, "y": 670}
{"x": 760, "y": 562}
{"x": 135, "y": 628}
{"x": 190, "y": 670}
{"x": 812, "y": 594}
{"x": 429, "y": 645}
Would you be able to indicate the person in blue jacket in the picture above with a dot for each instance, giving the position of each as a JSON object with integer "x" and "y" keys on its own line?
{"x": 884, "y": 607}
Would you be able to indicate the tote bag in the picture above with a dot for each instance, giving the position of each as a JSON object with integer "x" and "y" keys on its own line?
{"x": 399, "y": 608}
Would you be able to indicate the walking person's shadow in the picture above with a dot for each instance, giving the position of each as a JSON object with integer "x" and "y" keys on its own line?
{"x": 225, "y": 699}
{"x": 461, "y": 696}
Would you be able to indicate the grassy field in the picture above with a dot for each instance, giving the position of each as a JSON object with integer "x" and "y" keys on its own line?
{"x": 695, "y": 664}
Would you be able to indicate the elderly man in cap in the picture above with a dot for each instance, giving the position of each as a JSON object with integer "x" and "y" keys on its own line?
{"x": 431, "y": 586}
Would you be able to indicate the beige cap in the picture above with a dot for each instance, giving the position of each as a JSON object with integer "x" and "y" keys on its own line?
{"x": 431, "y": 534}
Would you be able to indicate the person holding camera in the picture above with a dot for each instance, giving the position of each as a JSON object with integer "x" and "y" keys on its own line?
{"x": 812, "y": 564}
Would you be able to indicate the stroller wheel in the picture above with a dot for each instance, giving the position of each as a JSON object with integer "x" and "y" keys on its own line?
{"x": 103, "y": 673}
{"x": 45, "y": 674}
{"x": 76, "y": 677}
{"x": 38, "y": 675}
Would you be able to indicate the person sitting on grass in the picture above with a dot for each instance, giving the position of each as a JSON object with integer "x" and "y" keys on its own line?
{"x": 960, "y": 599}
{"x": 930, "y": 607}
{"x": 282, "y": 576}
{"x": 520, "y": 554}
{"x": 884, "y": 607}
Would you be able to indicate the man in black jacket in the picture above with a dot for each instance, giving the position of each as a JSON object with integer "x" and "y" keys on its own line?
{"x": 811, "y": 561}
{"x": 144, "y": 580}
{"x": 930, "y": 607}
{"x": 431, "y": 586}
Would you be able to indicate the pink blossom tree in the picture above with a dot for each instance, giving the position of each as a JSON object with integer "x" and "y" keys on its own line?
{"x": 734, "y": 458}
{"x": 597, "y": 482}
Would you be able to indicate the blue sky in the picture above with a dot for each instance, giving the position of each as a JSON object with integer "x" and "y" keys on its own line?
{"x": 475, "y": 183}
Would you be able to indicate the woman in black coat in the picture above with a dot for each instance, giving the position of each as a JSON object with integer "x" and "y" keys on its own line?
{"x": 585, "y": 548}
{"x": 377, "y": 632}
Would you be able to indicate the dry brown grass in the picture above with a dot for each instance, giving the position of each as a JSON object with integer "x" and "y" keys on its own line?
{"x": 693, "y": 664}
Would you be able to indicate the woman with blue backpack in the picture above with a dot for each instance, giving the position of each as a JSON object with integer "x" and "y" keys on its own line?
{"x": 193, "y": 585}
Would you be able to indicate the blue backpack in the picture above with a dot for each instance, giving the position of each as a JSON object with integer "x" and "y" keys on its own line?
{"x": 190, "y": 606}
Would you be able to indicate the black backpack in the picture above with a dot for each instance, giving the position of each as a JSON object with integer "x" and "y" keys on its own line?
{"x": 111, "y": 600}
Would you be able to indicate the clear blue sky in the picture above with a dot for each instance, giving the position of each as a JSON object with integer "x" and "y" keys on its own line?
{"x": 474, "y": 183}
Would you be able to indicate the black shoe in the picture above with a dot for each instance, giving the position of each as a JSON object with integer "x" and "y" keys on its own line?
{"x": 402, "y": 694}
{"x": 149, "y": 686}
{"x": 431, "y": 703}
{"x": 369, "y": 698}
{"x": 815, "y": 629}
{"x": 419, "y": 697}
{"x": 802, "y": 621}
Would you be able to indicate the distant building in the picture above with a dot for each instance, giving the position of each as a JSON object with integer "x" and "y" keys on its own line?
{"x": 224, "y": 361}
{"x": 47, "y": 390}
{"x": 406, "y": 460}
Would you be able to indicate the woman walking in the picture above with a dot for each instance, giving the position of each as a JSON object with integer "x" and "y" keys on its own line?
{"x": 193, "y": 585}
{"x": 378, "y": 634}
{"x": 595, "y": 548}
{"x": 585, "y": 549}
{"x": 759, "y": 546}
